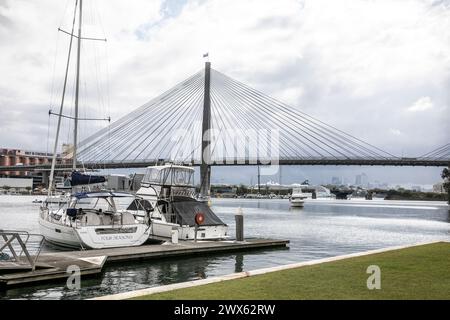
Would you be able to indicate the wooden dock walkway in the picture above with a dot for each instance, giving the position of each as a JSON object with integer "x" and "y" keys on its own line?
{"x": 53, "y": 266}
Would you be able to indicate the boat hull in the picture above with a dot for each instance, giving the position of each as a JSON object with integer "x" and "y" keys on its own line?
{"x": 60, "y": 235}
{"x": 204, "y": 232}
{"x": 94, "y": 237}
{"x": 297, "y": 203}
{"x": 161, "y": 229}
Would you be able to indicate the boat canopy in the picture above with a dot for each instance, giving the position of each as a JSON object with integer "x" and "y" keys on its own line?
{"x": 185, "y": 208}
{"x": 79, "y": 178}
{"x": 297, "y": 191}
{"x": 170, "y": 176}
{"x": 101, "y": 194}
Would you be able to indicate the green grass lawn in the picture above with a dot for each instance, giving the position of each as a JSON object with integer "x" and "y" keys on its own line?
{"x": 421, "y": 272}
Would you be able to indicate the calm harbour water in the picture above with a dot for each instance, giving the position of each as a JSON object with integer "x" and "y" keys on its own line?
{"x": 322, "y": 228}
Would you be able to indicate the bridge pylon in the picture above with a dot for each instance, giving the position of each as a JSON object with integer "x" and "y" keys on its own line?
{"x": 205, "y": 167}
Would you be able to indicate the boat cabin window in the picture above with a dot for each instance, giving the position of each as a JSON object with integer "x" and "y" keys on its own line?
{"x": 125, "y": 203}
{"x": 152, "y": 176}
{"x": 140, "y": 205}
{"x": 174, "y": 176}
{"x": 182, "y": 177}
{"x": 167, "y": 211}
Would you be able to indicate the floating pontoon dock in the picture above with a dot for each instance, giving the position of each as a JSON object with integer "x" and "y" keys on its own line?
{"x": 54, "y": 266}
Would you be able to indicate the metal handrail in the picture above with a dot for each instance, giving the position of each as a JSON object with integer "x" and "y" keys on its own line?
{"x": 9, "y": 236}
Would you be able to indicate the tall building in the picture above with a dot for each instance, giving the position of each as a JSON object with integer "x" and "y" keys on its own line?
{"x": 361, "y": 180}
{"x": 67, "y": 151}
{"x": 336, "y": 181}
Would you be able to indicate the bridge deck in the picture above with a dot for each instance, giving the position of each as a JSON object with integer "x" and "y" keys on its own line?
{"x": 413, "y": 162}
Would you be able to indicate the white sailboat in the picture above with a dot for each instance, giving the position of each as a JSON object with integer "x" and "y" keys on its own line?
{"x": 168, "y": 194}
{"x": 94, "y": 220}
{"x": 91, "y": 220}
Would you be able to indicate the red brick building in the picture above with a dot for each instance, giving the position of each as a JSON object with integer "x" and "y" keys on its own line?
{"x": 14, "y": 157}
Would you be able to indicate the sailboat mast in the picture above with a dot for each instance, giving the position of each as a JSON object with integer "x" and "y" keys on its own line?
{"x": 55, "y": 146}
{"x": 77, "y": 91}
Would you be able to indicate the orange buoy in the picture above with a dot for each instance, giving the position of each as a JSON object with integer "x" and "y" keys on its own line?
{"x": 199, "y": 218}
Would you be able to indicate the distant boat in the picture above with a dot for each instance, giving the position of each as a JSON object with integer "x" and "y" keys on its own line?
{"x": 297, "y": 198}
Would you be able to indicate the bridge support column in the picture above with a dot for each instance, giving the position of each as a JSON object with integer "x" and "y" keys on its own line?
{"x": 45, "y": 178}
{"x": 259, "y": 180}
{"x": 205, "y": 167}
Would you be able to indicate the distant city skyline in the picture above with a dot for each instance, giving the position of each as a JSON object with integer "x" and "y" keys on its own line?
{"x": 317, "y": 175}
{"x": 324, "y": 175}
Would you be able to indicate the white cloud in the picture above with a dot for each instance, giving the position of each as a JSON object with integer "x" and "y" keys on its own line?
{"x": 290, "y": 95}
{"x": 395, "y": 132}
{"x": 423, "y": 104}
{"x": 349, "y": 63}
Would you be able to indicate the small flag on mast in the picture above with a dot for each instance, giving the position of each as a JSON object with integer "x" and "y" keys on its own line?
{"x": 205, "y": 55}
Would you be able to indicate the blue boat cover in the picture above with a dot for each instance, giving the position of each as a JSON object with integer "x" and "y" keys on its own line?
{"x": 78, "y": 179}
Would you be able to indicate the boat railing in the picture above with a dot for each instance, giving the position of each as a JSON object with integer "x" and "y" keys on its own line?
{"x": 171, "y": 217}
{"x": 19, "y": 249}
{"x": 183, "y": 192}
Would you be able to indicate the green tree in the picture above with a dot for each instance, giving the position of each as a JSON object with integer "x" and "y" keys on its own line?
{"x": 28, "y": 189}
{"x": 446, "y": 184}
{"x": 241, "y": 190}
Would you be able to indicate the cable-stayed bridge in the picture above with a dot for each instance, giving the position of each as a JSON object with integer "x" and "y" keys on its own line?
{"x": 246, "y": 127}
{"x": 229, "y": 123}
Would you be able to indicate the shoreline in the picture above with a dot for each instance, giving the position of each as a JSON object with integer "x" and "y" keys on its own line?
{"x": 147, "y": 293}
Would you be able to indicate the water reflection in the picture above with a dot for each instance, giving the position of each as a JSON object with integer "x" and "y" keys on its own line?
{"x": 239, "y": 265}
{"x": 296, "y": 209}
{"x": 120, "y": 277}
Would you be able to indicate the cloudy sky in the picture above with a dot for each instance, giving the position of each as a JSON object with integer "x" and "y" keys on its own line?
{"x": 379, "y": 70}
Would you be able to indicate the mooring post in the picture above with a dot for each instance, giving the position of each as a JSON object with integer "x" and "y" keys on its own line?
{"x": 205, "y": 167}
{"x": 174, "y": 235}
{"x": 239, "y": 218}
{"x": 259, "y": 180}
